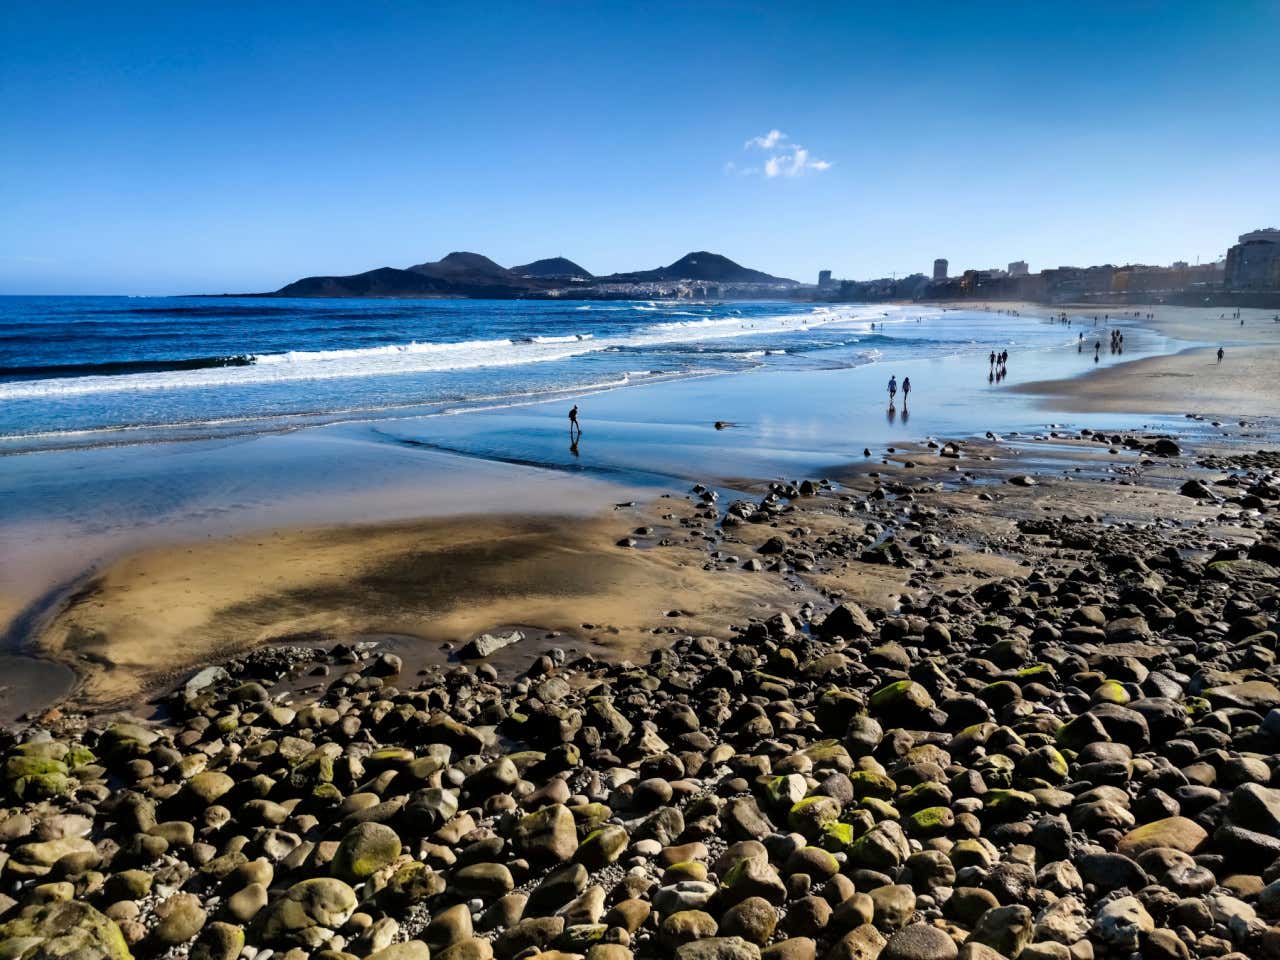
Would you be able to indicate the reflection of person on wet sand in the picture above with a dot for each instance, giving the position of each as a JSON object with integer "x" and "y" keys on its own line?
{"x": 892, "y": 413}
{"x": 574, "y": 425}
{"x": 573, "y": 447}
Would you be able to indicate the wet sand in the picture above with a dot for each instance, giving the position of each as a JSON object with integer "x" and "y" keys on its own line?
{"x": 1242, "y": 385}
{"x": 157, "y": 614}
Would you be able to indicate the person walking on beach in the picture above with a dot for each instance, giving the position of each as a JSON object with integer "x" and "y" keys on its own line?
{"x": 992, "y": 359}
{"x": 573, "y": 424}
{"x": 906, "y": 390}
{"x": 1221, "y": 354}
{"x": 893, "y": 389}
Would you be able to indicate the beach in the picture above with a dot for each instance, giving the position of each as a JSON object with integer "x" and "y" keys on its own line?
{"x": 759, "y": 666}
{"x": 116, "y": 557}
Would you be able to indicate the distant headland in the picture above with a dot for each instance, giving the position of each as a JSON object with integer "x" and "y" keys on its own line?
{"x": 472, "y": 275}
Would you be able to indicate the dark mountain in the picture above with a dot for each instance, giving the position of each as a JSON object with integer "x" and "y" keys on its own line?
{"x": 552, "y": 268}
{"x": 383, "y": 282}
{"x": 700, "y": 265}
{"x": 463, "y": 274}
{"x": 462, "y": 267}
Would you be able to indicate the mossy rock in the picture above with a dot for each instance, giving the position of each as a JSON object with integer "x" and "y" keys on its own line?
{"x": 44, "y": 786}
{"x": 996, "y": 769}
{"x": 783, "y": 792}
{"x": 931, "y": 822}
{"x": 829, "y": 754}
{"x": 835, "y": 708}
{"x": 591, "y": 813}
{"x": 1111, "y": 691}
{"x": 67, "y": 928}
{"x": 321, "y": 902}
{"x": 684, "y": 870}
{"x": 19, "y": 766}
{"x": 1046, "y": 763}
{"x": 41, "y": 749}
{"x": 365, "y": 849}
{"x": 581, "y": 937}
{"x": 1040, "y": 673}
{"x": 126, "y": 741}
{"x": 900, "y": 695}
{"x": 836, "y": 837}
{"x": 810, "y": 815}
{"x": 1008, "y": 805}
{"x": 885, "y": 848}
{"x": 926, "y": 794}
{"x": 411, "y": 883}
{"x": 868, "y": 783}
{"x": 602, "y": 847}
{"x": 879, "y": 809}
{"x": 79, "y": 756}
{"x": 1197, "y": 707}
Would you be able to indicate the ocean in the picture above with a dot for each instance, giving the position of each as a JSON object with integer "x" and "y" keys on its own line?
{"x": 95, "y": 371}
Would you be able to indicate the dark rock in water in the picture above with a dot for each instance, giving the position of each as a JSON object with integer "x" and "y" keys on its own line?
{"x": 488, "y": 644}
{"x": 1165, "y": 447}
{"x": 772, "y": 546}
{"x": 1197, "y": 490}
{"x": 1022, "y": 480}
{"x": 847, "y": 620}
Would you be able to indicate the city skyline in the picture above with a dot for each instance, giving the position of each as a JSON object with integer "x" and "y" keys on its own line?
{"x": 172, "y": 150}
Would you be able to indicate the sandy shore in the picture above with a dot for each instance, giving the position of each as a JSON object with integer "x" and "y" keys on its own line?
{"x": 1189, "y": 381}
{"x": 1192, "y": 381}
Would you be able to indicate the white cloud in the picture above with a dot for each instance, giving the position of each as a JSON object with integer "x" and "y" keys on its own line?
{"x": 785, "y": 157}
{"x": 767, "y": 142}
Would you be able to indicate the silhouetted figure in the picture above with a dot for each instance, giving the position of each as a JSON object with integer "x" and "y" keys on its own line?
{"x": 991, "y": 361}
{"x": 1221, "y": 354}
{"x": 574, "y": 426}
{"x": 906, "y": 391}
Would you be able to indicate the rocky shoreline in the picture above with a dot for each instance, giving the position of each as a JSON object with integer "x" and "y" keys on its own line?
{"x": 1076, "y": 758}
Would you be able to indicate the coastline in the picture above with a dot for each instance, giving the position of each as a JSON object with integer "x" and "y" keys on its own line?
{"x": 857, "y": 669}
{"x": 483, "y": 471}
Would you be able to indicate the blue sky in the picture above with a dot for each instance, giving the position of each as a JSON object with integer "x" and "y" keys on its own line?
{"x": 175, "y": 147}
